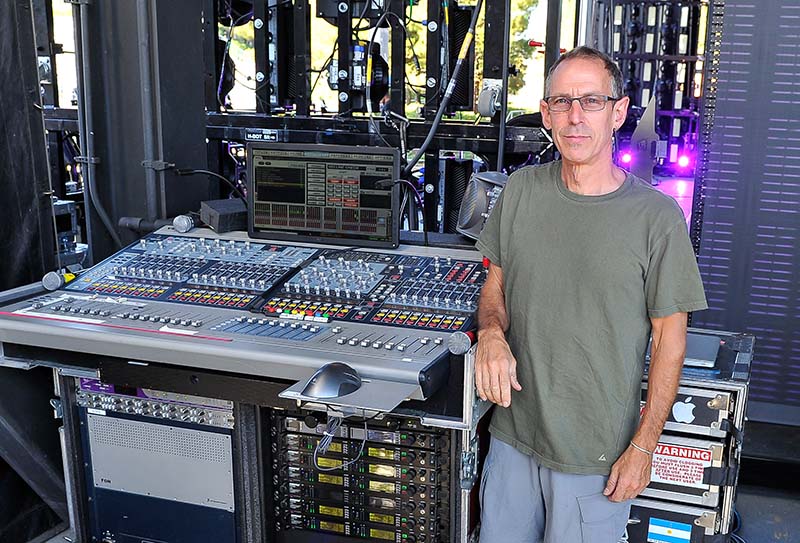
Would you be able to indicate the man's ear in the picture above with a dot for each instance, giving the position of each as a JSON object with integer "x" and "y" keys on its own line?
{"x": 545, "y": 114}
{"x": 620, "y": 111}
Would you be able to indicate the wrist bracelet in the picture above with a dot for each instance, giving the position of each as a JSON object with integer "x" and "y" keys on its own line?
{"x": 642, "y": 449}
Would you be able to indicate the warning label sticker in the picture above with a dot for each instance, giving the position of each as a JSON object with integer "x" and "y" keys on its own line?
{"x": 682, "y": 466}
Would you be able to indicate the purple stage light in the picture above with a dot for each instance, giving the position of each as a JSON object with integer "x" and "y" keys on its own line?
{"x": 683, "y": 161}
{"x": 626, "y": 158}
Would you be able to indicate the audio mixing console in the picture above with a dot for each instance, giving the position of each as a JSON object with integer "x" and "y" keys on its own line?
{"x": 276, "y": 310}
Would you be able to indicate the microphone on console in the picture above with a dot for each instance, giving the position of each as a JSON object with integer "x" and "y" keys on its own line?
{"x": 462, "y": 342}
{"x": 184, "y": 223}
{"x": 54, "y": 280}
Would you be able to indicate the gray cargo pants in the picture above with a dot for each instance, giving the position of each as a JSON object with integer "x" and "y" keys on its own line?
{"x": 523, "y": 502}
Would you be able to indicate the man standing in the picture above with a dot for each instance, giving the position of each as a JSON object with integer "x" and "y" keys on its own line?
{"x": 586, "y": 262}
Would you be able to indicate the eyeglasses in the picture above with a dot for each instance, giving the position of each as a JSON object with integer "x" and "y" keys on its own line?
{"x": 590, "y": 102}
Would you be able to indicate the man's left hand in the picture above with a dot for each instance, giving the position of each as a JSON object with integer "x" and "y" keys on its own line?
{"x": 630, "y": 474}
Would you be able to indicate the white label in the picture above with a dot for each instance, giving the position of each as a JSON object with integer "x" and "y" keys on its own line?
{"x": 683, "y": 466}
{"x": 93, "y": 411}
{"x": 180, "y": 331}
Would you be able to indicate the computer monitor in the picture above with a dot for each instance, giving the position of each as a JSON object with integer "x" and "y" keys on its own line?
{"x": 337, "y": 194}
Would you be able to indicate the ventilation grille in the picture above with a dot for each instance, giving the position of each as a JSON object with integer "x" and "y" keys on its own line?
{"x": 161, "y": 461}
{"x": 159, "y": 439}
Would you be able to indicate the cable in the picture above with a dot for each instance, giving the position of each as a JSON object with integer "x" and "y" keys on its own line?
{"x": 231, "y": 184}
{"x": 370, "y": 118}
{"x": 357, "y": 29}
{"x": 243, "y": 83}
{"x": 445, "y": 68}
{"x": 450, "y": 88}
{"x": 414, "y": 56}
{"x": 85, "y": 118}
{"x": 417, "y": 197}
{"x": 327, "y": 438}
{"x": 737, "y": 525}
{"x": 421, "y": 205}
{"x": 225, "y": 54}
{"x": 403, "y": 204}
{"x": 416, "y": 88}
{"x": 323, "y": 70}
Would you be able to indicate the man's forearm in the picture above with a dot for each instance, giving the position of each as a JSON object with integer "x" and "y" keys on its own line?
{"x": 666, "y": 361}
{"x": 492, "y": 314}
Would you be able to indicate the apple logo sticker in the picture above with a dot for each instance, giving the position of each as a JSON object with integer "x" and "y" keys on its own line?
{"x": 684, "y": 411}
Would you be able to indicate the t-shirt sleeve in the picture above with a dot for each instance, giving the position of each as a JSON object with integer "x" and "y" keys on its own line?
{"x": 673, "y": 281}
{"x": 489, "y": 241}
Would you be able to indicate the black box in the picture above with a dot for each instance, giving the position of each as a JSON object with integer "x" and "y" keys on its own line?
{"x": 224, "y": 215}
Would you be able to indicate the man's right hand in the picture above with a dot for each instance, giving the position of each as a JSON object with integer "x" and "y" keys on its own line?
{"x": 495, "y": 368}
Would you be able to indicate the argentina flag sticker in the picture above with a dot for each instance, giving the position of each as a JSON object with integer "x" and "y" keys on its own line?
{"x": 665, "y": 531}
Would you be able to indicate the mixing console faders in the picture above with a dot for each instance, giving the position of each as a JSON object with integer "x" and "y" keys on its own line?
{"x": 387, "y": 289}
{"x": 227, "y": 273}
{"x": 285, "y": 281}
{"x": 345, "y": 279}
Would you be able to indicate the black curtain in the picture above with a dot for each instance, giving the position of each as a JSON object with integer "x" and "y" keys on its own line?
{"x": 27, "y": 247}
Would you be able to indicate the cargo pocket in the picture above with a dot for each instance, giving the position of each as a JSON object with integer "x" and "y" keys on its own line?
{"x": 602, "y": 521}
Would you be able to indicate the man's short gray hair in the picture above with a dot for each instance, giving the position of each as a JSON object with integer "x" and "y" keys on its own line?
{"x": 592, "y": 54}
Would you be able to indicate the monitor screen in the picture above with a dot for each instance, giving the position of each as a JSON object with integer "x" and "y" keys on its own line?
{"x": 324, "y": 193}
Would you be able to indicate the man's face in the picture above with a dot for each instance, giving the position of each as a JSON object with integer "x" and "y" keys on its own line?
{"x": 583, "y": 137}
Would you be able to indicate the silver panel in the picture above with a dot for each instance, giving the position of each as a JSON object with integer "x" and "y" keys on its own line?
{"x": 372, "y": 397}
{"x": 179, "y": 464}
{"x": 204, "y": 347}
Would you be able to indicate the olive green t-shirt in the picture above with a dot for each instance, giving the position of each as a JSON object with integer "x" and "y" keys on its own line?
{"x": 582, "y": 276}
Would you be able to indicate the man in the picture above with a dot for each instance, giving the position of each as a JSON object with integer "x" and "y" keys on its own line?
{"x": 585, "y": 261}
